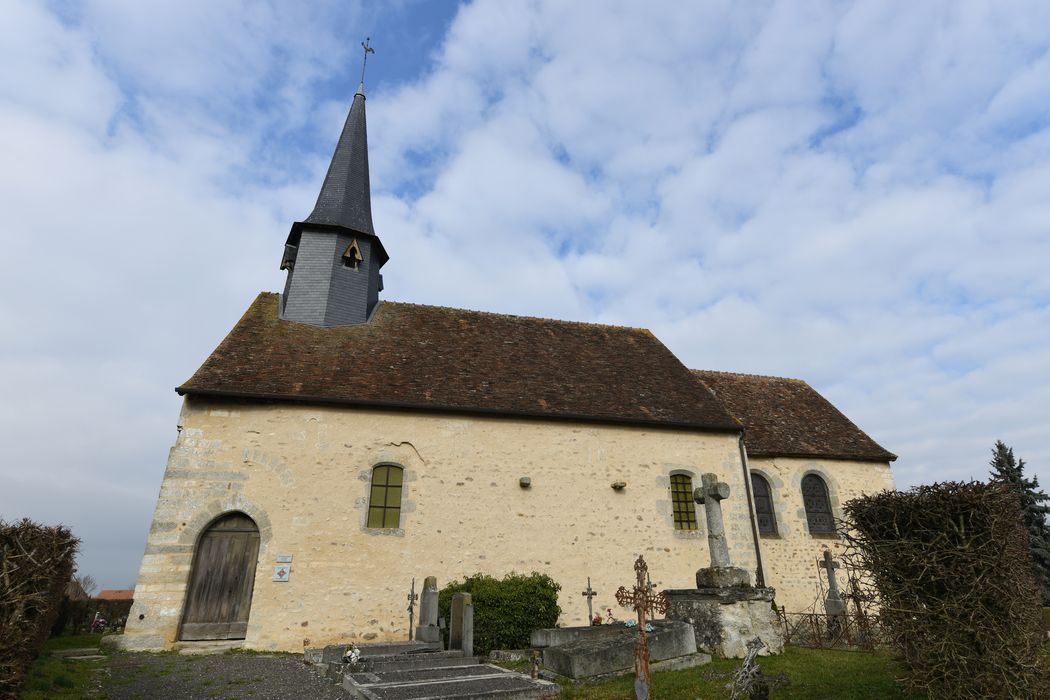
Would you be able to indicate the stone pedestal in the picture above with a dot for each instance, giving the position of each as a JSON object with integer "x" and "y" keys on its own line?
{"x": 726, "y": 618}
{"x": 428, "y": 630}
{"x": 598, "y": 655}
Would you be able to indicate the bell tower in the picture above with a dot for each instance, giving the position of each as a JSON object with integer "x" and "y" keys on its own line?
{"x": 333, "y": 257}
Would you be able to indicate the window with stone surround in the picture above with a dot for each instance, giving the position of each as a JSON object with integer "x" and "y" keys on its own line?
{"x": 763, "y": 494}
{"x": 682, "y": 502}
{"x": 384, "y": 501}
{"x": 818, "y": 505}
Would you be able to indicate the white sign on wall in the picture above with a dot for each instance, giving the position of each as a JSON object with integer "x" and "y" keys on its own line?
{"x": 282, "y": 572}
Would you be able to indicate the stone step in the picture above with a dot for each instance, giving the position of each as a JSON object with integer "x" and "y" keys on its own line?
{"x": 333, "y": 653}
{"x": 208, "y": 647}
{"x": 440, "y": 659}
{"x": 478, "y": 681}
{"x": 83, "y": 651}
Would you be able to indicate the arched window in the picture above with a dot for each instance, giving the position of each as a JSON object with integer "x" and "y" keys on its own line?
{"x": 384, "y": 502}
{"x": 818, "y": 506}
{"x": 767, "y": 522}
{"x": 682, "y": 501}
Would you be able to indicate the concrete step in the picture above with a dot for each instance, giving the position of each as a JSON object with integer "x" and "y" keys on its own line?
{"x": 476, "y": 681}
{"x": 333, "y": 653}
{"x": 439, "y": 659}
{"x": 208, "y": 647}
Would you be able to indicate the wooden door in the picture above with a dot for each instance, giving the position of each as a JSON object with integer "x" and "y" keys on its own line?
{"x": 220, "y": 593}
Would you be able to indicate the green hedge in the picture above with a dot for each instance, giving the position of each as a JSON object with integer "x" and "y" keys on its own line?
{"x": 506, "y": 610}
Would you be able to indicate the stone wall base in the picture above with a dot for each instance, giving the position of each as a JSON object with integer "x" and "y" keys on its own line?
{"x": 725, "y": 619}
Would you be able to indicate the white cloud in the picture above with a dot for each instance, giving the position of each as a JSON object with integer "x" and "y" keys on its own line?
{"x": 854, "y": 194}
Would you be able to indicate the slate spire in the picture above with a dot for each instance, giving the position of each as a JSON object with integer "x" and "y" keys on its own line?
{"x": 345, "y": 199}
{"x": 333, "y": 257}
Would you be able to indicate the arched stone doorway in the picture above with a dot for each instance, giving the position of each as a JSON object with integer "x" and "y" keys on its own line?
{"x": 219, "y": 597}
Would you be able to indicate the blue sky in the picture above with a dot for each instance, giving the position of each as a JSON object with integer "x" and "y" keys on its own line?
{"x": 850, "y": 193}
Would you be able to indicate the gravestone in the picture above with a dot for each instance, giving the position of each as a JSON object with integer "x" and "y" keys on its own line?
{"x": 834, "y": 605}
{"x": 461, "y": 629}
{"x": 725, "y": 610}
{"x": 428, "y": 630}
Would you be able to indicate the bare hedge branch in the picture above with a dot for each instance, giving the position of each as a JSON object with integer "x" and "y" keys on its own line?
{"x": 36, "y": 565}
{"x": 951, "y": 570}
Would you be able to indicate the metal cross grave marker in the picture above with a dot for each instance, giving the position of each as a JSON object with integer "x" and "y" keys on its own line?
{"x": 412, "y": 598}
{"x": 643, "y": 601}
{"x": 588, "y": 594}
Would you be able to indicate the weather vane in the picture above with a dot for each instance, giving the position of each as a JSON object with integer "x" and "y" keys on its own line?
{"x": 368, "y": 49}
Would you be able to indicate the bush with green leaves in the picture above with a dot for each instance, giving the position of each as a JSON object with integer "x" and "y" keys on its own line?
{"x": 506, "y": 610}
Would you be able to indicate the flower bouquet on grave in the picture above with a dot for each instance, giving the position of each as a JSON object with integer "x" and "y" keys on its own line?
{"x": 352, "y": 656}
{"x": 597, "y": 620}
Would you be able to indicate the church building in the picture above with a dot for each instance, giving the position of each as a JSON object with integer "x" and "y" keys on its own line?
{"x": 335, "y": 446}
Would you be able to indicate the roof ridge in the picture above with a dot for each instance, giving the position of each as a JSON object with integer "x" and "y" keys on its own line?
{"x": 749, "y": 374}
{"x": 519, "y": 317}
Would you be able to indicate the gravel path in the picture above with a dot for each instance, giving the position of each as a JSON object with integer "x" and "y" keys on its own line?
{"x": 257, "y": 676}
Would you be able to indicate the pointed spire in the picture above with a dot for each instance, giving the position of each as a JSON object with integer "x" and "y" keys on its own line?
{"x": 345, "y": 198}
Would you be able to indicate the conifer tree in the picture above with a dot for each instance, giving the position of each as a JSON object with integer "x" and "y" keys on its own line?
{"x": 1035, "y": 504}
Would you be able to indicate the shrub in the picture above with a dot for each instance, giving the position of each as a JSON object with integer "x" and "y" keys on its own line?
{"x": 952, "y": 573}
{"x": 506, "y": 610}
{"x": 36, "y": 564}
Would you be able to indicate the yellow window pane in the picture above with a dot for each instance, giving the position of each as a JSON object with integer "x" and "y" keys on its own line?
{"x": 375, "y": 517}
{"x": 393, "y": 516}
{"x": 395, "y": 476}
{"x": 393, "y": 496}
{"x": 378, "y": 497}
{"x": 379, "y": 475}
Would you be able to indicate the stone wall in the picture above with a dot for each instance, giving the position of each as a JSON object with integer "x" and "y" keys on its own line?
{"x": 790, "y": 557}
{"x": 303, "y": 474}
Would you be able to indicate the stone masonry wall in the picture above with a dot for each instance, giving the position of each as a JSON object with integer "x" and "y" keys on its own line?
{"x": 790, "y": 557}
{"x": 303, "y": 474}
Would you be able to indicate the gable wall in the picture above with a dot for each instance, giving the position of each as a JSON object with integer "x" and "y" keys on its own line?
{"x": 790, "y": 557}
{"x": 303, "y": 474}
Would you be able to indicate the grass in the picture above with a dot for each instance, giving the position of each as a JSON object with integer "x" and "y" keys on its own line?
{"x": 59, "y": 677}
{"x": 812, "y": 674}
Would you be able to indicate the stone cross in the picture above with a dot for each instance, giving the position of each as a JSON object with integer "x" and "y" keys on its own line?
{"x": 412, "y": 598}
{"x": 642, "y": 600}
{"x": 833, "y": 604}
{"x": 588, "y": 594}
{"x": 711, "y": 494}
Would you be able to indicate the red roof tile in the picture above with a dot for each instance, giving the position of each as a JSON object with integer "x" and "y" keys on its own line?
{"x": 116, "y": 594}
{"x": 788, "y": 418}
{"x": 436, "y": 358}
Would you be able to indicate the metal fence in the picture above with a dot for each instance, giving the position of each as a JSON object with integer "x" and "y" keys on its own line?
{"x": 856, "y": 630}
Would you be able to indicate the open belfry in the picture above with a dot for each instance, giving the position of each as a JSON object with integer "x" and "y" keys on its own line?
{"x": 335, "y": 446}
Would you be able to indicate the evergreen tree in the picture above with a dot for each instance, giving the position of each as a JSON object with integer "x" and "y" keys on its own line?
{"x": 1035, "y": 504}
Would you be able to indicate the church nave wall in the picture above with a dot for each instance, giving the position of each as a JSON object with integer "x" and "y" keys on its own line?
{"x": 303, "y": 473}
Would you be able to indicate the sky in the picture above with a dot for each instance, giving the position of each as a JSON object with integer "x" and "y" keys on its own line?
{"x": 851, "y": 193}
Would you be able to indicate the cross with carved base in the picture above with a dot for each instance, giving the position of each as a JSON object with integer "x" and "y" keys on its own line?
{"x": 642, "y": 600}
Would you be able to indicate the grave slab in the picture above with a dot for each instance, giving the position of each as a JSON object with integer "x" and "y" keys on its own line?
{"x": 607, "y": 654}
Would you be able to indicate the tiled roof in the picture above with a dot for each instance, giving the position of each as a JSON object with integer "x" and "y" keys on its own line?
{"x": 436, "y": 358}
{"x": 788, "y": 418}
{"x": 116, "y": 594}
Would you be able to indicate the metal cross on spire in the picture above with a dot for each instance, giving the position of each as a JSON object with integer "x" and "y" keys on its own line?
{"x": 364, "y": 62}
